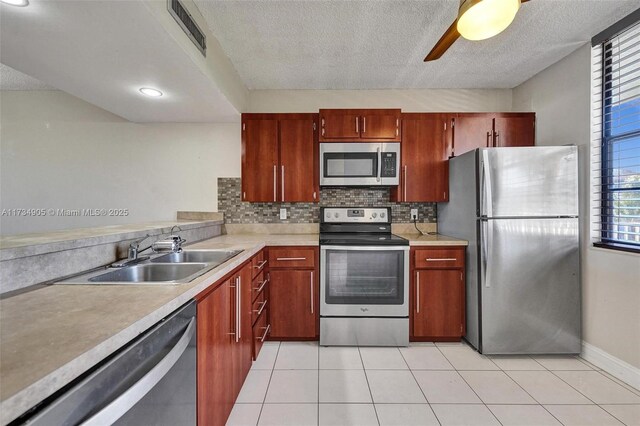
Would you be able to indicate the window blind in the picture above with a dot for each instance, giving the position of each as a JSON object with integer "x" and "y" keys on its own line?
{"x": 615, "y": 146}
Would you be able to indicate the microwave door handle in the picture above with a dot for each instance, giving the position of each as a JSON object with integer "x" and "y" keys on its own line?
{"x": 379, "y": 165}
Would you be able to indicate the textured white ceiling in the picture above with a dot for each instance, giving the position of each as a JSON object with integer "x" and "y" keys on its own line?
{"x": 381, "y": 44}
{"x": 11, "y": 79}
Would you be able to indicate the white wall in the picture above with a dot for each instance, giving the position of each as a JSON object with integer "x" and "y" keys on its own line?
{"x": 560, "y": 96}
{"x": 426, "y": 100}
{"x": 57, "y": 151}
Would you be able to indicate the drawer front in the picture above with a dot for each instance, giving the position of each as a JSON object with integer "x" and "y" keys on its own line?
{"x": 261, "y": 331}
{"x": 258, "y": 263}
{"x": 292, "y": 257}
{"x": 439, "y": 258}
{"x": 259, "y": 306}
{"x": 258, "y": 285}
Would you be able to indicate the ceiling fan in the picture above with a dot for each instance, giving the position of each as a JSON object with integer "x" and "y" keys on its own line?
{"x": 477, "y": 20}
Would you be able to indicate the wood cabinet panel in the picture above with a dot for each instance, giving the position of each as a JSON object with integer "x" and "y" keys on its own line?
{"x": 514, "y": 130}
{"x": 293, "y": 304}
{"x": 339, "y": 126}
{"x": 245, "y": 344}
{"x": 292, "y": 257}
{"x": 258, "y": 284}
{"x": 258, "y": 263}
{"x": 441, "y": 258}
{"x": 260, "y": 160}
{"x": 438, "y": 308}
{"x": 380, "y": 126}
{"x": 258, "y": 306}
{"x": 366, "y": 125}
{"x": 298, "y": 156}
{"x": 472, "y": 131}
{"x": 261, "y": 331}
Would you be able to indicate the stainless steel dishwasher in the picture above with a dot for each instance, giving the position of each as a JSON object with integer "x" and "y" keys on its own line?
{"x": 151, "y": 381}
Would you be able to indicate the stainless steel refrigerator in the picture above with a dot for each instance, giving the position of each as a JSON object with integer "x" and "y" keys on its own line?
{"x": 518, "y": 208}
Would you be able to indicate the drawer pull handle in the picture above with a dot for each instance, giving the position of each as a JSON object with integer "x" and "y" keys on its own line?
{"x": 262, "y": 284}
{"x": 441, "y": 259}
{"x": 284, "y": 259}
{"x": 260, "y": 265}
{"x": 259, "y": 311}
{"x": 266, "y": 331}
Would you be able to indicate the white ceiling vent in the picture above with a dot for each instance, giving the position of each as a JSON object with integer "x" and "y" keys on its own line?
{"x": 188, "y": 25}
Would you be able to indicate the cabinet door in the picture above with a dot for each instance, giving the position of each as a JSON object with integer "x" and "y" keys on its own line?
{"x": 515, "y": 131}
{"x": 380, "y": 126}
{"x": 438, "y": 303}
{"x": 215, "y": 356}
{"x": 340, "y": 126}
{"x": 259, "y": 160}
{"x": 425, "y": 155}
{"x": 246, "y": 306}
{"x": 472, "y": 131}
{"x": 297, "y": 161}
{"x": 293, "y": 299}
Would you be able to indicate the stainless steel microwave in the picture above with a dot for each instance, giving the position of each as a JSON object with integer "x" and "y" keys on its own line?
{"x": 360, "y": 164}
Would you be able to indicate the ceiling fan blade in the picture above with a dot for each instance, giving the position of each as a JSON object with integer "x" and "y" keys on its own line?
{"x": 445, "y": 42}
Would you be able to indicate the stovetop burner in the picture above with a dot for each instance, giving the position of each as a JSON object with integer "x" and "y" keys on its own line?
{"x": 362, "y": 239}
{"x": 351, "y": 226}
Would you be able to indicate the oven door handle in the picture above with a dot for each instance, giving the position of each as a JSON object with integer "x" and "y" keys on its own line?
{"x": 379, "y": 165}
{"x": 122, "y": 404}
{"x": 364, "y": 248}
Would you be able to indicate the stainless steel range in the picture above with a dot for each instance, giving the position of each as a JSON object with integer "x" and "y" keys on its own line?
{"x": 364, "y": 279}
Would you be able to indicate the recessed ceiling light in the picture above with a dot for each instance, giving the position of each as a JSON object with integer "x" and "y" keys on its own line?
{"x": 148, "y": 91}
{"x": 19, "y": 3}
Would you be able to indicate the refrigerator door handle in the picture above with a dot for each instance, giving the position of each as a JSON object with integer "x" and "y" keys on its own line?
{"x": 487, "y": 248}
{"x": 487, "y": 199}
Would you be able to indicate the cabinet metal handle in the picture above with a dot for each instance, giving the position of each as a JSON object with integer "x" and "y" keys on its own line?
{"x": 266, "y": 331}
{"x": 489, "y": 139}
{"x": 364, "y": 124}
{"x": 235, "y": 319}
{"x": 259, "y": 311}
{"x": 495, "y": 138}
{"x": 311, "y": 291}
{"x": 262, "y": 284}
{"x": 260, "y": 265}
{"x": 275, "y": 185}
{"x": 441, "y": 259}
{"x": 357, "y": 130}
{"x": 283, "y": 259}
{"x": 397, "y": 126}
{"x": 418, "y": 292}
{"x": 282, "y": 179}
{"x": 238, "y": 305}
{"x": 405, "y": 183}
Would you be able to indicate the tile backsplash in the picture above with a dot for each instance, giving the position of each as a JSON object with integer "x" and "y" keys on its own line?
{"x": 238, "y": 212}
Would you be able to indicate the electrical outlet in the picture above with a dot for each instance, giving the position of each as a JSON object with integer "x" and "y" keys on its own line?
{"x": 283, "y": 214}
{"x": 414, "y": 214}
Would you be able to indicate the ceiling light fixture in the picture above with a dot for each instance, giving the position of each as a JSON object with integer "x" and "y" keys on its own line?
{"x": 148, "y": 91}
{"x": 482, "y": 19}
{"x": 19, "y": 3}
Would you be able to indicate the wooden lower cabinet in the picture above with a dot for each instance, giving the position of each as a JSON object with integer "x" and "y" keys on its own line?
{"x": 294, "y": 304}
{"x": 437, "y": 294}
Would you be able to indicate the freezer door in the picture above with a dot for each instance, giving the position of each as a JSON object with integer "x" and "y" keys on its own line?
{"x": 530, "y": 287}
{"x": 528, "y": 181}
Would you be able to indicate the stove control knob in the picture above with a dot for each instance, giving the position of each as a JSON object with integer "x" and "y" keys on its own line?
{"x": 336, "y": 215}
{"x": 381, "y": 215}
{"x": 374, "y": 215}
{"x": 328, "y": 215}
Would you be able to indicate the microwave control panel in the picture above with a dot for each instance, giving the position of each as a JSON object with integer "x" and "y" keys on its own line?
{"x": 389, "y": 163}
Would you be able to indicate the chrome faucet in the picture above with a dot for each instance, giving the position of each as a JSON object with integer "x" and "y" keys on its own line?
{"x": 173, "y": 244}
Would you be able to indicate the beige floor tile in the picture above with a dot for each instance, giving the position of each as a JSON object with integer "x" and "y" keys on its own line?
{"x": 562, "y": 362}
{"x": 297, "y": 356}
{"x": 445, "y": 344}
{"x": 464, "y": 415}
{"x": 627, "y": 386}
{"x": 244, "y": 415}
{"x": 255, "y": 387}
{"x": 445, "y": 387}
{"x": 523, "y": 415}
{"x": 347, "y": 415}
{"x": 382, "y": 359}
{"x": 289, "y": 415}
{"x": 405, "y": 415}
{"x": 598, "y": 388}
{"x": 495, "y": 387}
{"x": 394, "y": 386}
{"x": 465, "y": 358}
{"x": 293, "y": 386}
{"x": 425, "y": 358}
{"x": 516, "y": 362}
{"x": 627, "y": 414}
{"x": 546, "y": 388}
{"x": 344, "y": 386}
{"x": 582, "y": 415}
{"x": 267, "y": 358}
{"x": 340, "y": 358}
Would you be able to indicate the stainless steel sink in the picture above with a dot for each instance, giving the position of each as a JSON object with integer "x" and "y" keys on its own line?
{"x": 216, "y": 257}
{"x": 150, "y": 272}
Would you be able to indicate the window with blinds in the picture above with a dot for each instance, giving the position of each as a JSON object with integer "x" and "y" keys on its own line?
{"x": 616, "y": 141}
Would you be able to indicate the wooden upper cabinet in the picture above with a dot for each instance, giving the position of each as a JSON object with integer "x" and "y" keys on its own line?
{"x": 426, "y": 148}
{"x": 514, "y": 130}
{"x": 298, "y": 158}
{"x": 280, "y": 158}
{"x": 259, "y": 160}
{"x": 353, "y": 125}
{"x": 472, "y": 131}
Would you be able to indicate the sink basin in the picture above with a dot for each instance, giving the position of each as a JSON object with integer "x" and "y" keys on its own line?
{"x": 215, "y": 257}
{"x": 152, "y": 273}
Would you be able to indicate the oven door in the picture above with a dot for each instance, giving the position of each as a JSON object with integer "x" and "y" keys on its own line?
{"x": 366, "y": 281}
{"x": 359, "y": 164}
